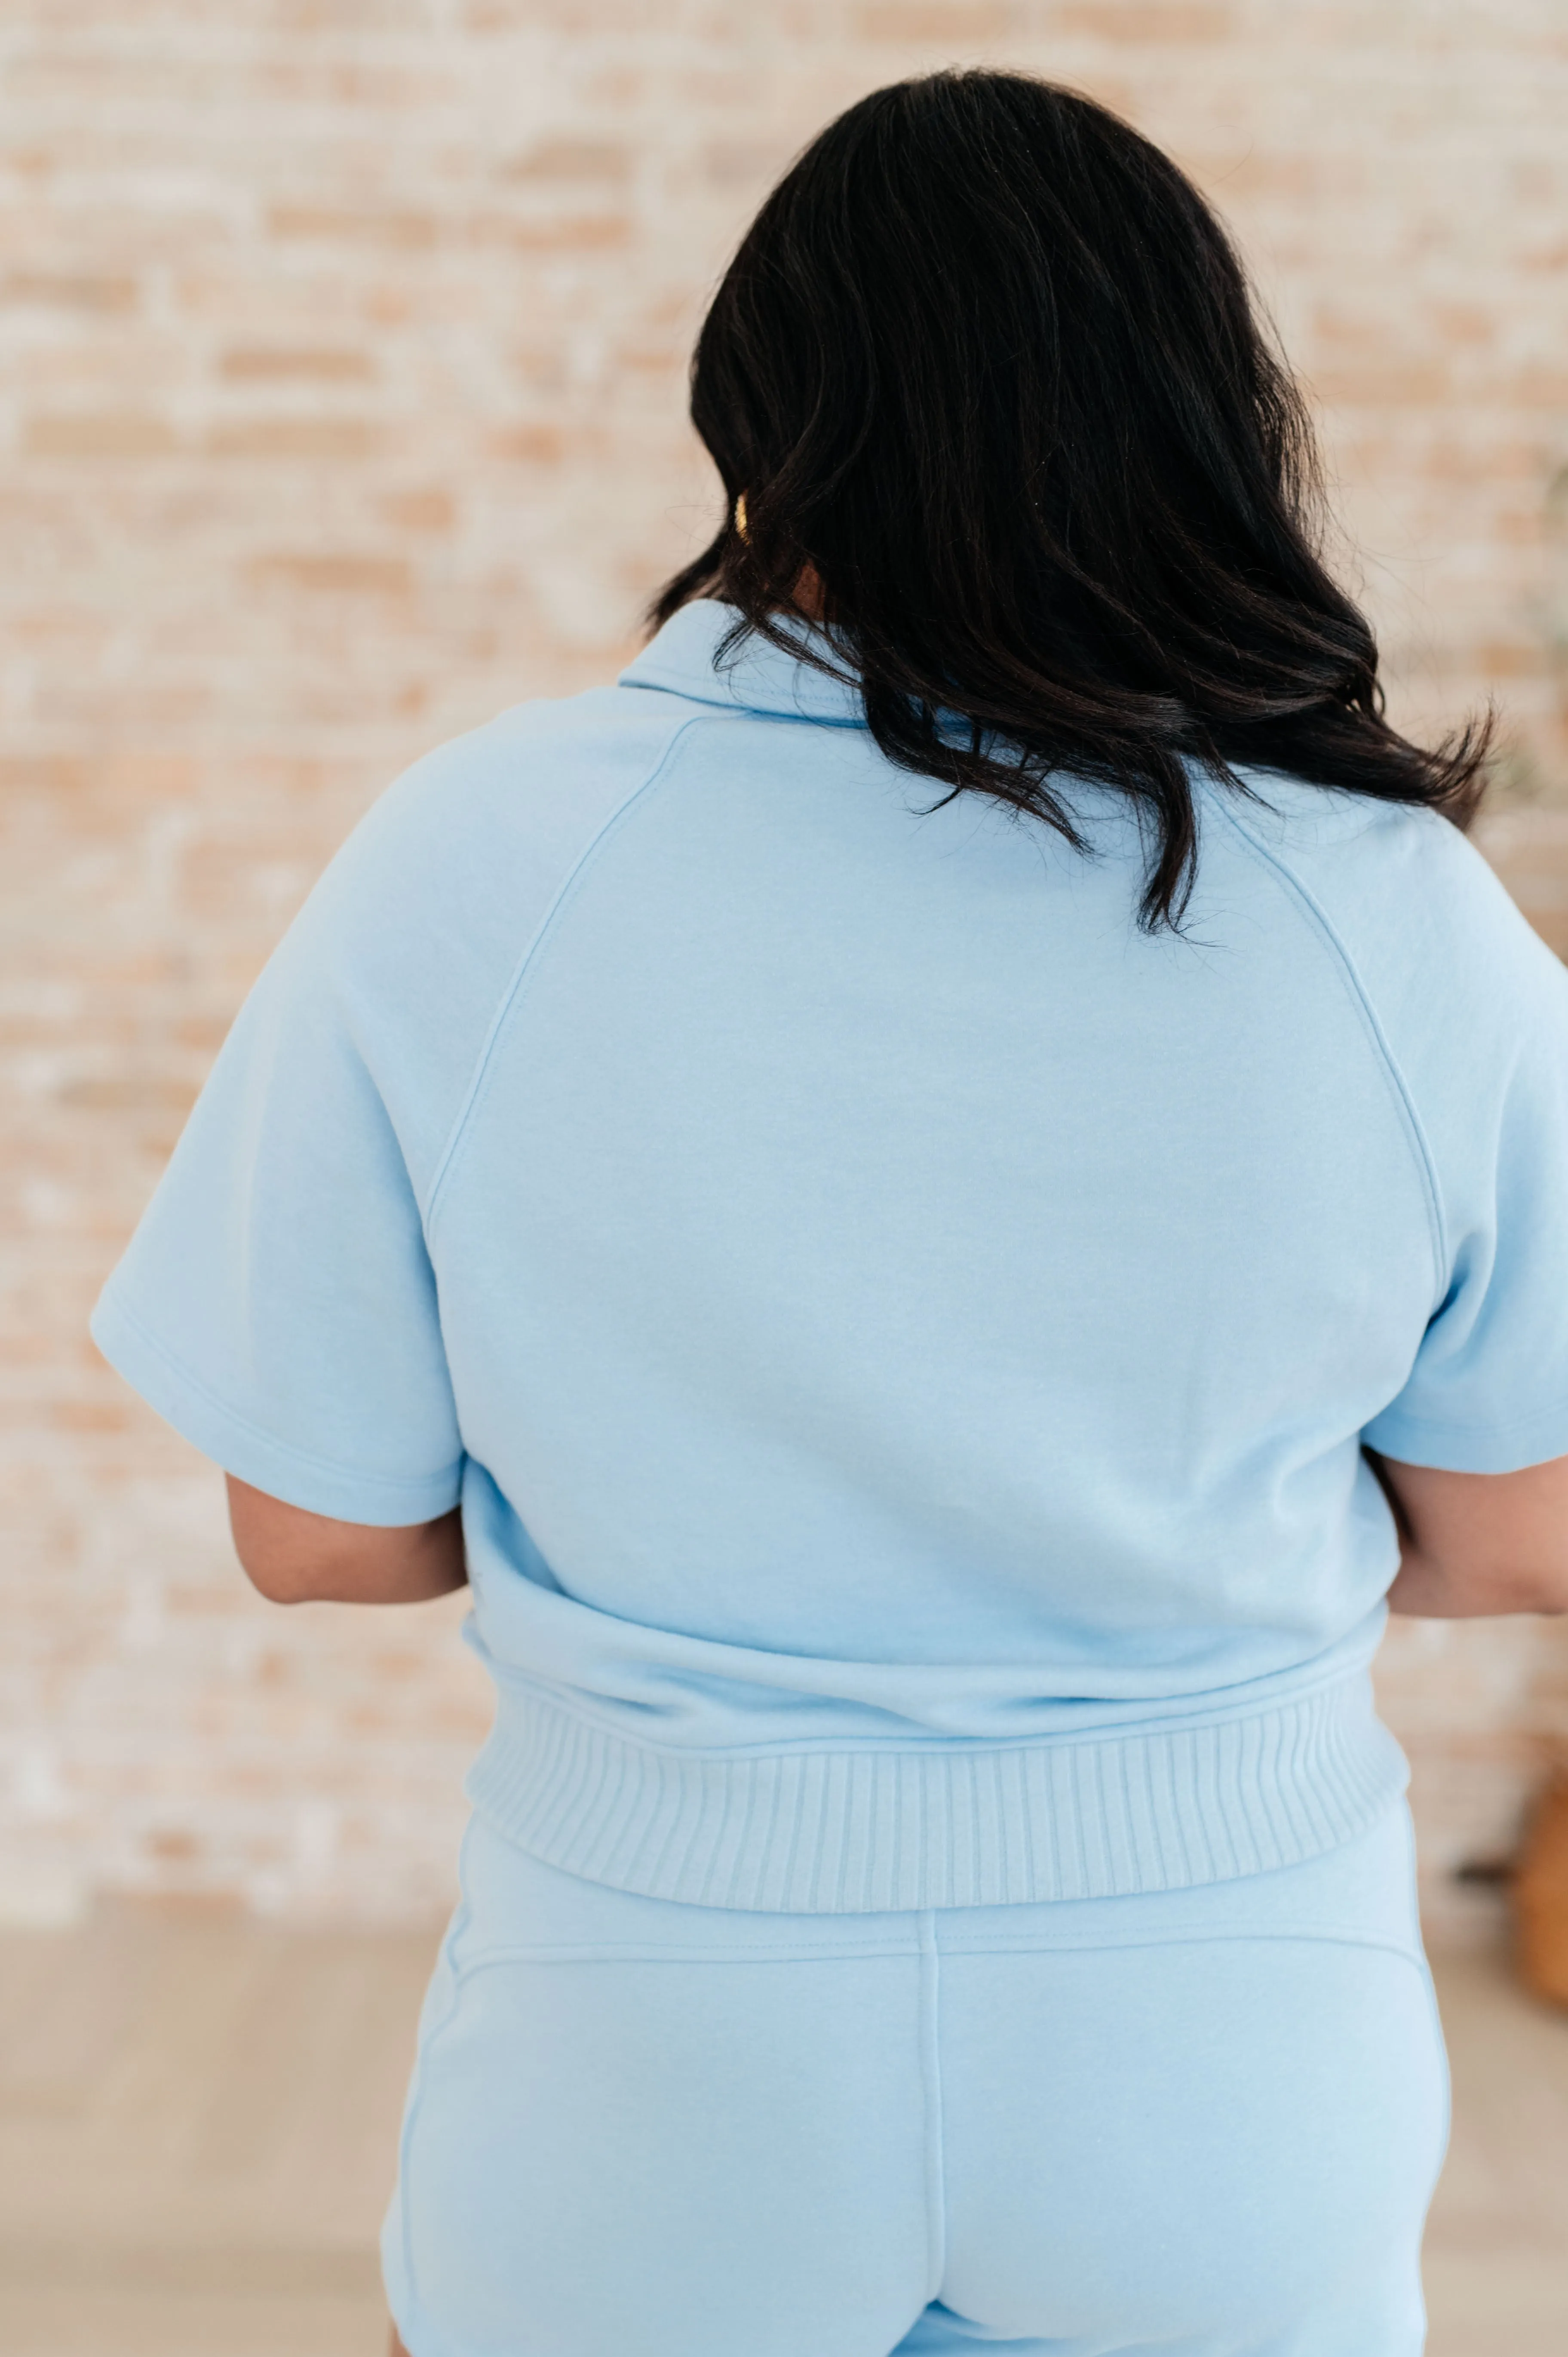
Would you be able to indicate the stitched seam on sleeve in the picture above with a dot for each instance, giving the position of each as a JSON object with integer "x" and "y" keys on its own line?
{"x": 394, "y": 1482}
{"x": 1467, "y": 1428}
{"x": 569, "y": 887}
{"x": 1319, "y": 918}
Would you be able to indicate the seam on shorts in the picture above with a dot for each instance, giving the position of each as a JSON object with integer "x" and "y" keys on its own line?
{"x": 437, "y": 2029}
{"x": 1087, "y": 1946}
{"x": 640, "y": 1952}
{"x": 931, "y": 2079}
{"x": 1435, "y": 2011}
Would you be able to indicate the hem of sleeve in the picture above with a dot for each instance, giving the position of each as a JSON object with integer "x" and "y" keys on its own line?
{"x": 384, "y": 1500}
{"x": 1473, "y": 1448}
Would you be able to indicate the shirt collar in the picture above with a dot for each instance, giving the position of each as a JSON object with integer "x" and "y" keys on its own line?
{"x": 759, "y": 678}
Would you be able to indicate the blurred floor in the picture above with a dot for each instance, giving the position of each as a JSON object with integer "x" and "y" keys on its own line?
{"x": 1496, "y": 2244}
{"x": 197, "y": 2118}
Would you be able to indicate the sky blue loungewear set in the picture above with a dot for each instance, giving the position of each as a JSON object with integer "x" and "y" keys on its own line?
{"x": 902, "y": 1338}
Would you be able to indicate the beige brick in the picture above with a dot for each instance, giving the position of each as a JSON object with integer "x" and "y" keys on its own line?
{"x": 431, "y": 508}
{"x": 539, "y": 446}
{"x": 295, "y": 437}
{"x": 565, "y": 233}
{"x": 573, "y": 161}
{"x": 1465, "y": 323}
{"x": 359, "y": 224}
{"x": 254, "y": 364}
{"x": 41, "y": 772}
{"x": 963, "y": 22}
{"x": 344, "y": 575}
{"x": 104, "y": 435}
{"x": 1541, "y": 385}
{"x": 1510, "y": 658}
{"x": 1145, "y": 22}
{"x": 1382, "y": 383}
{"x": 64, "y": 291}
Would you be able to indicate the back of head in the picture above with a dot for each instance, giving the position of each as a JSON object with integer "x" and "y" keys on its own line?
{"x": 986, "y": 375}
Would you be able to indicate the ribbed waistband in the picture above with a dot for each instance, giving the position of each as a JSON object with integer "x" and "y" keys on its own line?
{"x": 864, "y": 1830}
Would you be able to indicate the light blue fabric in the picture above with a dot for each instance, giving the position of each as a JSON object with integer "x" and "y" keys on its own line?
{"x": 1188, "y": 2122}
{"x": 901, "y": 1336}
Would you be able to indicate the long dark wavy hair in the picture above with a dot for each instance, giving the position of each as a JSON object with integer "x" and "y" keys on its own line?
{"x": 986, "y": 373}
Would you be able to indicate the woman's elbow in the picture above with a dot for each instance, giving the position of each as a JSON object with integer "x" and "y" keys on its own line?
{"x": 284, "y": 1583}
{"x": 1426, "y": 1590}
{"x": 1542, "y": 1590}
{"x": 1478, "y": 1545}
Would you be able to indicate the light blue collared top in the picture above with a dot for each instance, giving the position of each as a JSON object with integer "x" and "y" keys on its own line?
{"x": 901, "y": 1336}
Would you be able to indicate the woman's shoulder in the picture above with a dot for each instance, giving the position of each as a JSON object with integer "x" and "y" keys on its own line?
{"x": 419, "y": 925}
{"x": 1390, "y": 873}
{"x": 465, "y": 852}
{"x": 528, "y": 783}
{"x": 1457, "y": 980}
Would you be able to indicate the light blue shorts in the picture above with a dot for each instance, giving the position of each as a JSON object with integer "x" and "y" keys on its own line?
{"x": 1198, "y": 2121}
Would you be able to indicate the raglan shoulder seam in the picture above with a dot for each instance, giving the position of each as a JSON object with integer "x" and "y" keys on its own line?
{"x": 566, "y": 891}
{"x": 1318, "y": 918}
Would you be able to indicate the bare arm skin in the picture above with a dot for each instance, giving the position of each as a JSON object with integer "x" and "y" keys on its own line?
{"x": 1474, "y": 1544}
{"x": 294, "y": 1557}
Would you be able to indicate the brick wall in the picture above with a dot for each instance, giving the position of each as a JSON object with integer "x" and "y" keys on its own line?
{"x": 343, "y": 347}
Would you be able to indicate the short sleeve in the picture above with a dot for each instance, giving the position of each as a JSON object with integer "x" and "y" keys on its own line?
{"x": 276, "y": 1304}
{"x": 1488, "y": 1390}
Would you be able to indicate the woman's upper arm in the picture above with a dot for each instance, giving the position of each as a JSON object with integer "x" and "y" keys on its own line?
{"x": 1480, "y": 1542}
{"x": 294, "y": 1556}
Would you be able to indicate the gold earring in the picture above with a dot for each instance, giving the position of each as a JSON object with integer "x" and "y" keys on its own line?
{"x": 740, "y": 515}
